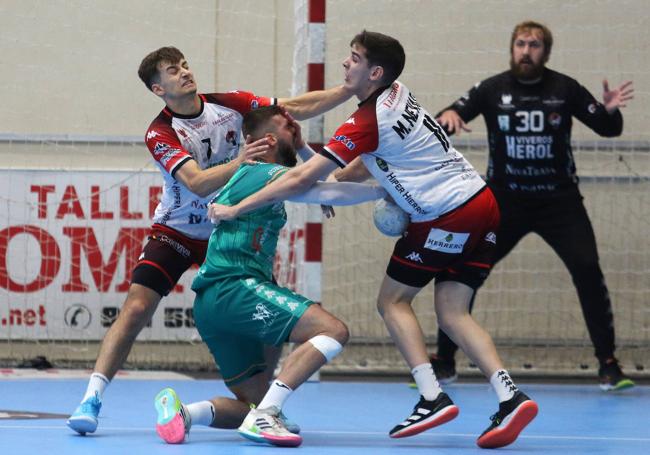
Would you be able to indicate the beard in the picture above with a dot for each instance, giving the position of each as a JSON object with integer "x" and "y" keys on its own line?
{"x": 528, "y": 72}
{"x": 286, "y": 154}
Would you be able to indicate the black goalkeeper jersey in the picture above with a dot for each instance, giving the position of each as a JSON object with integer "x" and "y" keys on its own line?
{"x": 529, "y": 129}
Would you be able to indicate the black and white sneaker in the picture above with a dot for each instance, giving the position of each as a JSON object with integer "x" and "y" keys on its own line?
{"x": 426, "y": 414}
{"x": 508, "y": 422}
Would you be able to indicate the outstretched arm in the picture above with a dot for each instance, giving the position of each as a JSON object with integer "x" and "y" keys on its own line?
{"x": 297, "y": 180}
{"x": 342, "y": 193}
{"x": 314, "y": 103}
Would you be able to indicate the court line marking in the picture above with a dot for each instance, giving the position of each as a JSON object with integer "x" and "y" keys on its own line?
{"x": 362, "y": 433}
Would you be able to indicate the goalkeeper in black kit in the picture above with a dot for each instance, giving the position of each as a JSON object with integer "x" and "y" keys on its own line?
{"x": 528, "y": 111}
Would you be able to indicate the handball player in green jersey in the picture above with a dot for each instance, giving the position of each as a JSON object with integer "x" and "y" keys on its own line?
{"x": 239, "y": 309}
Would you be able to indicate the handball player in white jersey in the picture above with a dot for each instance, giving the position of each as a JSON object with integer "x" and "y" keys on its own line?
{"x": 450, "y": 238}
{"x": 195, "y": 143}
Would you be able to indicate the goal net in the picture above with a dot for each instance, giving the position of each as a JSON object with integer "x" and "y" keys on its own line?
{"x": 78, "y": 187}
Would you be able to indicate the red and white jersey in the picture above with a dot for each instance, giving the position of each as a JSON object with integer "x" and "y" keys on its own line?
{"x": 407, "y": 152}
{"x": 210, "y": 138}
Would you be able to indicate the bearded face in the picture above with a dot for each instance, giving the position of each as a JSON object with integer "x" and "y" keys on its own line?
{"x": 286, "y": 154}
{"x": 528, "y": 56}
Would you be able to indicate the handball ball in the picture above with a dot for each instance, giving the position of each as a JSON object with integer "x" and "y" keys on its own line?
{"x": 389, "y": 218}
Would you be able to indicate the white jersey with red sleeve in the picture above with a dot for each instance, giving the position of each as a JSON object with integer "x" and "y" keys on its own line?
{"x": 210, "y": 138}
{"x": 407, "y": 152}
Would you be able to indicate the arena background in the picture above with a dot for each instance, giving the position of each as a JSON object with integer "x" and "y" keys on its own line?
{"x": 74, "y": 110}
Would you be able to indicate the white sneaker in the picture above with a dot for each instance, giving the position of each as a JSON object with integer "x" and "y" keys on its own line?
{"x": 289, "y": 424}
{"x": 265, "y": 426}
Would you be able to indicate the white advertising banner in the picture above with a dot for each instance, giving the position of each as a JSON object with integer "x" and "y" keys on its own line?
{"x": 68, "y": 243}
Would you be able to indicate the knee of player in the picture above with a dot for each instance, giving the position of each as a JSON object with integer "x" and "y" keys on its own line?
{"x": 384, "y": 305}
{"x": 447, "y": 320}
{"x": 329, "y": 346}
{"x": 337, "y": 330}
{"x": 136, "y": 310}
{"x": 341, "y": 333}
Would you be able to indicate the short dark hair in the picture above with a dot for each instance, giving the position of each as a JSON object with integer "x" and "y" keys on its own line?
{"x": 148, "y": 70}
{"x": 256, "y": 122}
{"x": 384, "y": 51}
{"x": 528, "y": 26}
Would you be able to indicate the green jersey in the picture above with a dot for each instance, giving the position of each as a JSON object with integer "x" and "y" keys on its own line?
{"x": 244, "y": 246}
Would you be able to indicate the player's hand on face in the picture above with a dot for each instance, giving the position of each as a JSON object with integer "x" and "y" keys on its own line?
{"x": 218, "y": 212}
{"x": 328, "y": 211}
{"x": 254, "y": 150}
{"x": 452, "y": 123}
{"x": 298, "y": 141}
{"x": 616, "y": 98}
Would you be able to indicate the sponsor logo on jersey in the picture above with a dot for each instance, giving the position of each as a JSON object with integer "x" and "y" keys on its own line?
{"x": 491, "y": 237}
{"x": 552, "y": 101}
{"x": 506, "y": 101}
{"x": 445, "y": 241}
{"x": 392, "y": 96}
{"x": 415, "y": 257}
{"x": 381, "y": 164}
{"x": 349, "y": 144}
{"x": 151, "y": 134}
{"x": 554, "y": 119}
{"x": 504, "y": 122}
{"x": 160, "y": 149}
{"x": 231, "y": 138}
{"x": 168, "y": 156}
{"x": 350, "y": 121}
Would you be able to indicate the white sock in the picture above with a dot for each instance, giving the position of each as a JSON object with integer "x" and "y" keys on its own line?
{"x": 276, "y": 396}
{"x": 426, "y": 380}
{"x": 201, "y": 413}
{"x": 503, "y": 385}
{"x": 97, "y": 384}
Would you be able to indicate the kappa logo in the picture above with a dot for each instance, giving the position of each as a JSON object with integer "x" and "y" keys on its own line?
{"x": 182, "y": 132}
{"x": 151, "y": 134}
{"x": 415, "y": 257}
{"x": 350, "y": 121}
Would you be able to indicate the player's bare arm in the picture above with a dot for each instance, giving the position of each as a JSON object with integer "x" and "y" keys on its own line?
{"x": 314, "y": 103}
{"x": 295, "y": 181}
{"x": 615, "y": 98}
{"x": 203, "y": 182}
{"x": 452, "y": 123}
{"x": 356, "y": 171}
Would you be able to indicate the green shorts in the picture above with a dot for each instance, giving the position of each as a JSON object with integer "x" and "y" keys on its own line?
{"x": 236, "y": 317}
